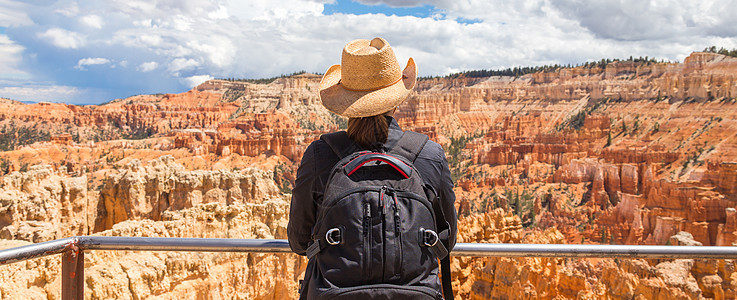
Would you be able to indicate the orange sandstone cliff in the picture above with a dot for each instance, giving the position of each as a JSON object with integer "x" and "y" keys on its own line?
{"x": 627, "y": 152}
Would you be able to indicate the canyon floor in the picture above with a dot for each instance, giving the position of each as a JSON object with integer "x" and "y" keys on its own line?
{"x": 627, "y": 152}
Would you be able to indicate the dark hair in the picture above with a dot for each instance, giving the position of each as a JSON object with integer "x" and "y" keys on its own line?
{"x": 369, "y": 130}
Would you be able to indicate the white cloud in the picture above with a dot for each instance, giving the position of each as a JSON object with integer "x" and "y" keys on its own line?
{"x": 13, "y": 13}
{"x": 153, "y": 40}
{"x": 148, "y": 66}
{"x": 182, "y": 64}
{"x": 169, "y": 43}
{"x": 219, "y": 50}
{"x": 220, "y": 13}
{"x": 196, "y": 80}
{"x": 35, "y": 93}
{"x": 624, "y": 20}
{"x": 93, "y": 21}
{"x": 68, "y": 9}
{"x": 10, "y": 59}
{"x": 291, "y": 37}
{"x": 91, "y": 61}
{"x": 629, "y": 20}
{"x": 63, "y": 38}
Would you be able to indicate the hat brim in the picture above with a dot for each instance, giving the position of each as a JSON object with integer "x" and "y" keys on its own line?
{"x": 358, "y": 104}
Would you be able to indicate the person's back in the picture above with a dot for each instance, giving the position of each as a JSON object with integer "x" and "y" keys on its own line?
{"x": 370, "y": 206}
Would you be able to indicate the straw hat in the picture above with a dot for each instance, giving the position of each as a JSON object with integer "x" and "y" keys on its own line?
{"x": 368, "y": 81}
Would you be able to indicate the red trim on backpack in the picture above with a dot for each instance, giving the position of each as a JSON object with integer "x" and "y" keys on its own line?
{"x": 379, "y": 159}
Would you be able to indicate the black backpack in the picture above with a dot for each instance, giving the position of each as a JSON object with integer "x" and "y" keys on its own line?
{"x": 379, "y": 231}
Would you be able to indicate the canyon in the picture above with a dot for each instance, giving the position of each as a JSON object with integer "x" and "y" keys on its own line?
{"x": 624, "y": 152}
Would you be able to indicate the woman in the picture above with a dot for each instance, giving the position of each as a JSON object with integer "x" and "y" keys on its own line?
{"x": 366, "y": 88}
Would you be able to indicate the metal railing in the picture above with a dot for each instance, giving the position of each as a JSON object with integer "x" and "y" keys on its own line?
{"x": 72, "y": 250}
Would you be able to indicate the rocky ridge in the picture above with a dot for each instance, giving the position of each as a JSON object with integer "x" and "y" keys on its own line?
{"x": 626, "y": 153}
{"x": 205, "y": 204}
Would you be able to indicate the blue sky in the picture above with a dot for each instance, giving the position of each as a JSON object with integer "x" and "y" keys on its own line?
{"x": 87, "y": 51}
{"x": 356, "y": 8}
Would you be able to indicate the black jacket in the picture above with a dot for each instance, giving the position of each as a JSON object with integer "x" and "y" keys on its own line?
{"x": 314, "y": 170}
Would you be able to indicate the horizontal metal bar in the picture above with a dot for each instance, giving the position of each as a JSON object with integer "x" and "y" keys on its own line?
{"x": 603, "y": 251}
{"x": 183, "y": 244}
{"x": 282, "y": 246}
{"x": 35, "y": 250}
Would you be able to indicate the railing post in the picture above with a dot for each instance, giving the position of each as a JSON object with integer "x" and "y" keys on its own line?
{"x": 72, "y": 274}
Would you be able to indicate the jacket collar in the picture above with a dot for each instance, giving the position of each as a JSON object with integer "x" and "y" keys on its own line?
{"x": 395, "y": 133}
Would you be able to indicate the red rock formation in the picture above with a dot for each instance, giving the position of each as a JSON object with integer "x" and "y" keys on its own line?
{"x": 146, "y": 192}
{"x": 64, "y": 139}
{"x": 627, "y": 152}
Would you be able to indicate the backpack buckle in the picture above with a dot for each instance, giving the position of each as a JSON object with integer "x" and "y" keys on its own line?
{"x": 429, "y": 237}
{"x": 334, "y": 236}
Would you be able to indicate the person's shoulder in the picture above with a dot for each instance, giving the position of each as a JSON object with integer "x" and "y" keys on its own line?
{"x": 317, "y": 145}
{"x": 432, "y": 151}
{"x": 319, "y": 149}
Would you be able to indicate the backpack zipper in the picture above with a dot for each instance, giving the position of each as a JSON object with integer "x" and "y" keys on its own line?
{"x": 396, "y": 214}
{"x": 398, "y": 235}
{"x": 367, "y": 238}
{"x": 382, "y": 204}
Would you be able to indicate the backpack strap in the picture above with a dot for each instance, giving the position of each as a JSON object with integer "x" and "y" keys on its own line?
{"x": 315, "y": 248}
{"x": 341, "y": 144}
{"x": 444, "y": 236}
{"x": 445, "y": 277}
{"x": 409, "y": 145}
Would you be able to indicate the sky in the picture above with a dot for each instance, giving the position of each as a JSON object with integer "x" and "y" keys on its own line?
{"x": 91, "y": 51}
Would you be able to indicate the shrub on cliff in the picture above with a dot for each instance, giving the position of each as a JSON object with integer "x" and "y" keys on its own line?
{"x": 576, "y": 121}
{"x": 721, "y": 50}
{"x": 12, "y": 136}
{"x": 264, "y": 80}
{"x": 4, "y": 166}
